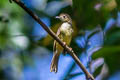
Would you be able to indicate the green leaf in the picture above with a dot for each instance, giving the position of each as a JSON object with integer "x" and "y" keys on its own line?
{"x": 111, "y": 55}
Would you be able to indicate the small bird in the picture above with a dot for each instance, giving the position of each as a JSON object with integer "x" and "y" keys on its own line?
{"x": 65, "y": 34}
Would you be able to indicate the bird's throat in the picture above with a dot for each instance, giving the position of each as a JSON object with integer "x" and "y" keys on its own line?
{"x": 66, "y": 28}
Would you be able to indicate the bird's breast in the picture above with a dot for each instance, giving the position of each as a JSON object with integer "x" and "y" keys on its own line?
{"x": 66, "y": 29}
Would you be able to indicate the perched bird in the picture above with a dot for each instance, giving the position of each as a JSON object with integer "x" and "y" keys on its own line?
{"x": 65, "y": 34}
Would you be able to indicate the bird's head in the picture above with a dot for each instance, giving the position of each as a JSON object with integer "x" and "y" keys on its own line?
{"x": 64, "y": 18}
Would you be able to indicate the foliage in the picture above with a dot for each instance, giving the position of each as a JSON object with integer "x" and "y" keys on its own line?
{"x": 26, "y": 49}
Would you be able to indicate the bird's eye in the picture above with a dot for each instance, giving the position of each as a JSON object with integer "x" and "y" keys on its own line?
{"x": 64, "y": 16}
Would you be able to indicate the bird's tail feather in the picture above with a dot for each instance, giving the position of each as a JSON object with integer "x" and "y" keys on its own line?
{"x": 54, "y": 63}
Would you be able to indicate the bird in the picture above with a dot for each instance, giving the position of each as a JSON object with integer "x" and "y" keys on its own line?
{"x": 64, "y": 32}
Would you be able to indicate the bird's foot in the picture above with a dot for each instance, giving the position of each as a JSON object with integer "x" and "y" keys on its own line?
{"x": 71, "y": 49}
{"x": 64, "y": 43}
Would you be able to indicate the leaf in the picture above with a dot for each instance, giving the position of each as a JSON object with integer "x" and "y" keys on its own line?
{"x": 109, "y": 24}
{"x": 92, "y": 41}
{"x": 111, "y": 56}
{"x": 109, "y": 5}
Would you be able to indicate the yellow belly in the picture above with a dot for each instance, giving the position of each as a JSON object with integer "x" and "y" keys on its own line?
{"x": 64, "y": 38}
{"x": 65, "y": 35}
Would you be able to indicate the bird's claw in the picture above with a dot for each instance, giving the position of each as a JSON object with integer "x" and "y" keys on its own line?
{"x": 71, "y": 49}
{"x": 64, "y": 43}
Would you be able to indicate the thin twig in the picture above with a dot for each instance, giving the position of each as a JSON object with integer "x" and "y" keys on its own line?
{"x": 50, "y": 32}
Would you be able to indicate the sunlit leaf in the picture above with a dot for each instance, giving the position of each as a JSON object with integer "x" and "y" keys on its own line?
{"x": 109, "y": 5}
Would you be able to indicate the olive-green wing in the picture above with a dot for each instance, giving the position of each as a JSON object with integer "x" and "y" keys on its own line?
{"x": 54, "y": 46}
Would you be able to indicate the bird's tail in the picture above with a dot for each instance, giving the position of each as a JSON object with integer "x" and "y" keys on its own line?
{"x": 54, "y": 63}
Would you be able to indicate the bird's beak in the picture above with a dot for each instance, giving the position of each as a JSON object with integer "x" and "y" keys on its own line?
{"x": 57, "y": 17}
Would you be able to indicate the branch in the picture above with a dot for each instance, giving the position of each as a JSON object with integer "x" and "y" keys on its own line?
{"x": 50, "y": 32}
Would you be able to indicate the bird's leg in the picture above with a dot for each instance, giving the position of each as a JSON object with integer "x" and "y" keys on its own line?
{"x": 71, "y": 49}
{"x": 64, "y": 51}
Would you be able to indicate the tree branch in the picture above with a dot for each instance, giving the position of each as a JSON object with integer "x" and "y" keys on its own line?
{"x": 50, "y": 32}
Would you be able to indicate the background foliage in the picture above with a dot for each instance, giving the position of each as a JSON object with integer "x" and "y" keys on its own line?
{"x": 26, "y": 49}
